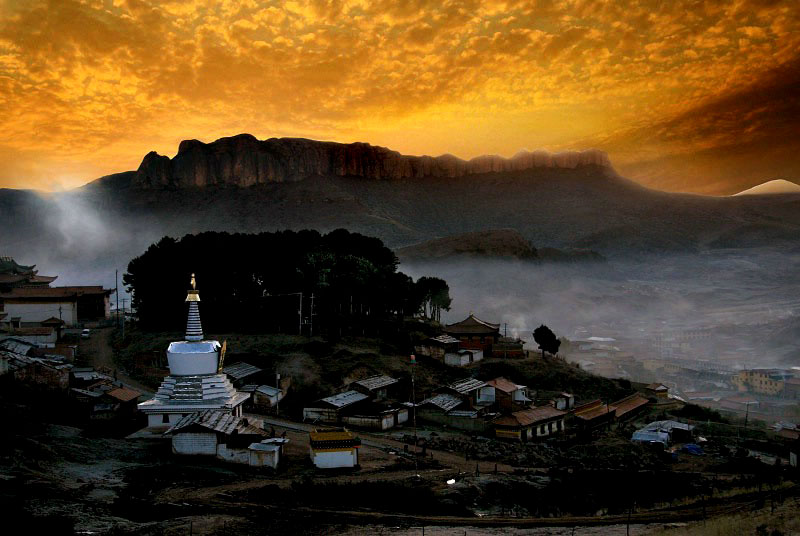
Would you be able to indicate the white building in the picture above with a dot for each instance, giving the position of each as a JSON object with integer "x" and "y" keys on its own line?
{"x": 195, "y": 382}
{"x": 334, "y": 448}
{"x": 463, "y": 357}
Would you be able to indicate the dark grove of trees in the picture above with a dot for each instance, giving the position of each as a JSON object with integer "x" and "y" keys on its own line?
{"x": 261, "y": 282}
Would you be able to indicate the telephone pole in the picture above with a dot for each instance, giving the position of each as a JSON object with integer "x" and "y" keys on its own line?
{"x": 123, "y": 317}
{"x": 311, "y": 318}
{"x": 116, "y": 291}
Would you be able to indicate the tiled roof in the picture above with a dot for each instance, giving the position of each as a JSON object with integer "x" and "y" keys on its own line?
{"x": 503, "y": 384}
{"x": 466, "y": 385}
{"x": 592, "y": 410}
{"x": 472, "y": 324}
{"x": 54, "y": 292}
{"x": 530, "y": 416}
{"x": 331, "y": 435}
{"x": 241, "y": 370}
{"x": 630, "y": 403}
{"x": 444, "y": 339}
{"x": 344, "y": 399}
{"x": 376, "y": 382}
{"x": 124, "y": 394}
{"x": 445, "y": 402}
{"x": 216, "y": 421}
{"x": 657, "y": 387}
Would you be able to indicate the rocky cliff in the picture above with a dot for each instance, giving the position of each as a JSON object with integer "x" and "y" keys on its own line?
{"x": 244, "y": 160}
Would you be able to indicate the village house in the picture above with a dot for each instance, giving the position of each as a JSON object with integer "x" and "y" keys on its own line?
{"x": 651, "y": 438}
{"x": 378, "y": 387}
{"x": 509, "y": 347}
{"x": 630, "y": 407}
{"x": 677, "y": 432}
{"x": 477, "y": 393}
{"x": 76, "y": 305}
{"x": 49, "y": 373}
{"x": 765, "y": 381}
{"x": 529, "y": 424}
{"x": 593, "y": 416}
{"x": 375, "y": 415}
{"x": 451, "y": 411}
{"x": 105, "y": 400}
{"x": 509, "y": 397}
{"x": 333, "y": 448}
{"x": 228, "y": 437}
{"x": 437, "y": 347}
{"x": 241, "y": 374}
{"x": 266, "y": 398}
{"x": 563, "y": 401}
{"x": 475, "y": 334}
{"x": 330, "y": 409}
{"x": 463, "y": 357}
{"x": 657, "y": 390}
{"x": 791, "y": 388}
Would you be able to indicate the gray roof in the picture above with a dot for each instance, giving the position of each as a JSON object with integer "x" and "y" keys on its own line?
{"x": 237, "y": 371}
{"x": 467, "y": 385}
{"x": 344, "y": 399}
{"x": 444, "y": 339}
{"x": 444, "y": 401}
{"x": 268, "y": 390}
{"x": 16, "y": 346}
{"x": 215, "y": 421}
{"x": 666, "y": 426}
{"x": 642, "y": 435}
{"x": 376, "y": 382}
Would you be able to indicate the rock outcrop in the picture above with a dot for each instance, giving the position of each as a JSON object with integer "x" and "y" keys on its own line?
{"x": 243, "y": 160}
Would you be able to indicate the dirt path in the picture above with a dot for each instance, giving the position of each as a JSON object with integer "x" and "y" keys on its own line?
{"x": 449, "y": 459}
{"x": 99, "y": 354}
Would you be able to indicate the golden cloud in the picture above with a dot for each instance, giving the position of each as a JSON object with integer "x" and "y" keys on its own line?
{"x": 90, "y": 87}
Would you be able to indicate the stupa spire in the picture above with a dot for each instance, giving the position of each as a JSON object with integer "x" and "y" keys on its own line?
{"x": 194, "y": 329}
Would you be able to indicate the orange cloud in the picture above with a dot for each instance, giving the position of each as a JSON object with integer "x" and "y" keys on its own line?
{"x": 88, "y": 88}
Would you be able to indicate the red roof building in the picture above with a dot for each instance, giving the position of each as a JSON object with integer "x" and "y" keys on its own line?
{"x": 474, "y": 333}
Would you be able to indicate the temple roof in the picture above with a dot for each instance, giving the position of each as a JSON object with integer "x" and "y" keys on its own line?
{"x": 10, "y": 266}
{"x": 473, "y": 324}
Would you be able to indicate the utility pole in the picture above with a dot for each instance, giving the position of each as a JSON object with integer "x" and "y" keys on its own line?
{"x": 311, "y": 317}
{"x": 300, "y": 313}
{"x": 123, "y": 317}
{"x": 278, "y": 396}
{"x": 116, "y": 291}
{"x": 414, "y": 421}
{"x": 59, "y": 313}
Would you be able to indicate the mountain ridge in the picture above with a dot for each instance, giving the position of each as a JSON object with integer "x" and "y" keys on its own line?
{"x": 243, "y": 161}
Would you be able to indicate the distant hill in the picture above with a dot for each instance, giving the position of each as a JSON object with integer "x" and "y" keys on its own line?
{"x": 492, "y": 244}
{"x": 564, "y": 201}
{"x": 777, "y": 186}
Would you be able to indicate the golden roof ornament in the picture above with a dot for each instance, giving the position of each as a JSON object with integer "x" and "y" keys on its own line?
{"x": 194, "y": 294}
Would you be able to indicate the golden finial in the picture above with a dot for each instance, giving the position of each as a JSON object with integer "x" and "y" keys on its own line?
{"x": 194, "y": 294}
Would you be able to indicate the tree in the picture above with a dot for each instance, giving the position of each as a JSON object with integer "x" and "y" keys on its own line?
{"x": 434, "y": 295}
{"x": 546, "y": 339}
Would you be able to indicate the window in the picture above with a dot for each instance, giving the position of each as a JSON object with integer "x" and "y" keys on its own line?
{"x": 165, "y": 418}
{"x": 541, "y": 429}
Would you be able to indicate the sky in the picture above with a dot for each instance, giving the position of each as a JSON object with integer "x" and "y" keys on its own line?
{"x": 684, "y": 95}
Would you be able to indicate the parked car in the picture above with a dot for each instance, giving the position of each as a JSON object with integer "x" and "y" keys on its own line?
{"x": 85, "y": 334}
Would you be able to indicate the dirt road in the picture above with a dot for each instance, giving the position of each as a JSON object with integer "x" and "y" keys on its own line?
{"x": 97, "y": 351}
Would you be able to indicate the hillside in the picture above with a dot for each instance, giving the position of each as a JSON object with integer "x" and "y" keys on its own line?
{"x": 581, "y": 205}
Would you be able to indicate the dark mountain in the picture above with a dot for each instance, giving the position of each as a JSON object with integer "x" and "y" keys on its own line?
{"x": 570, "y": 200}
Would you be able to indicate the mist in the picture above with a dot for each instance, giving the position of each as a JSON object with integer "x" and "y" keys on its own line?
{"x": 744, "y": 303}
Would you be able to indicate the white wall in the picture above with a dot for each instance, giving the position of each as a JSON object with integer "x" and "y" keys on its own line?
{"x": 233, "y": 455}
{"x": 330, "y": 460}
{"x": 265, "y": 458}
{"x": 194, "y": 443}
{"x": 37, "y": 312}
{"x": 157, "y": 419}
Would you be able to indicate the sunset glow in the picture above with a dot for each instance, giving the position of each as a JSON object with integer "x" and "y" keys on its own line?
{"x": 684, "y": 95}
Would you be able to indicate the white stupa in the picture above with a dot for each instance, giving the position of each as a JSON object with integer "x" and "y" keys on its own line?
{"x": 196, "y": 382}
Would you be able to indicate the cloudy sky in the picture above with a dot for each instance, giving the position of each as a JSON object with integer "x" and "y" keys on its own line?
{"x": 684, "y": 95}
